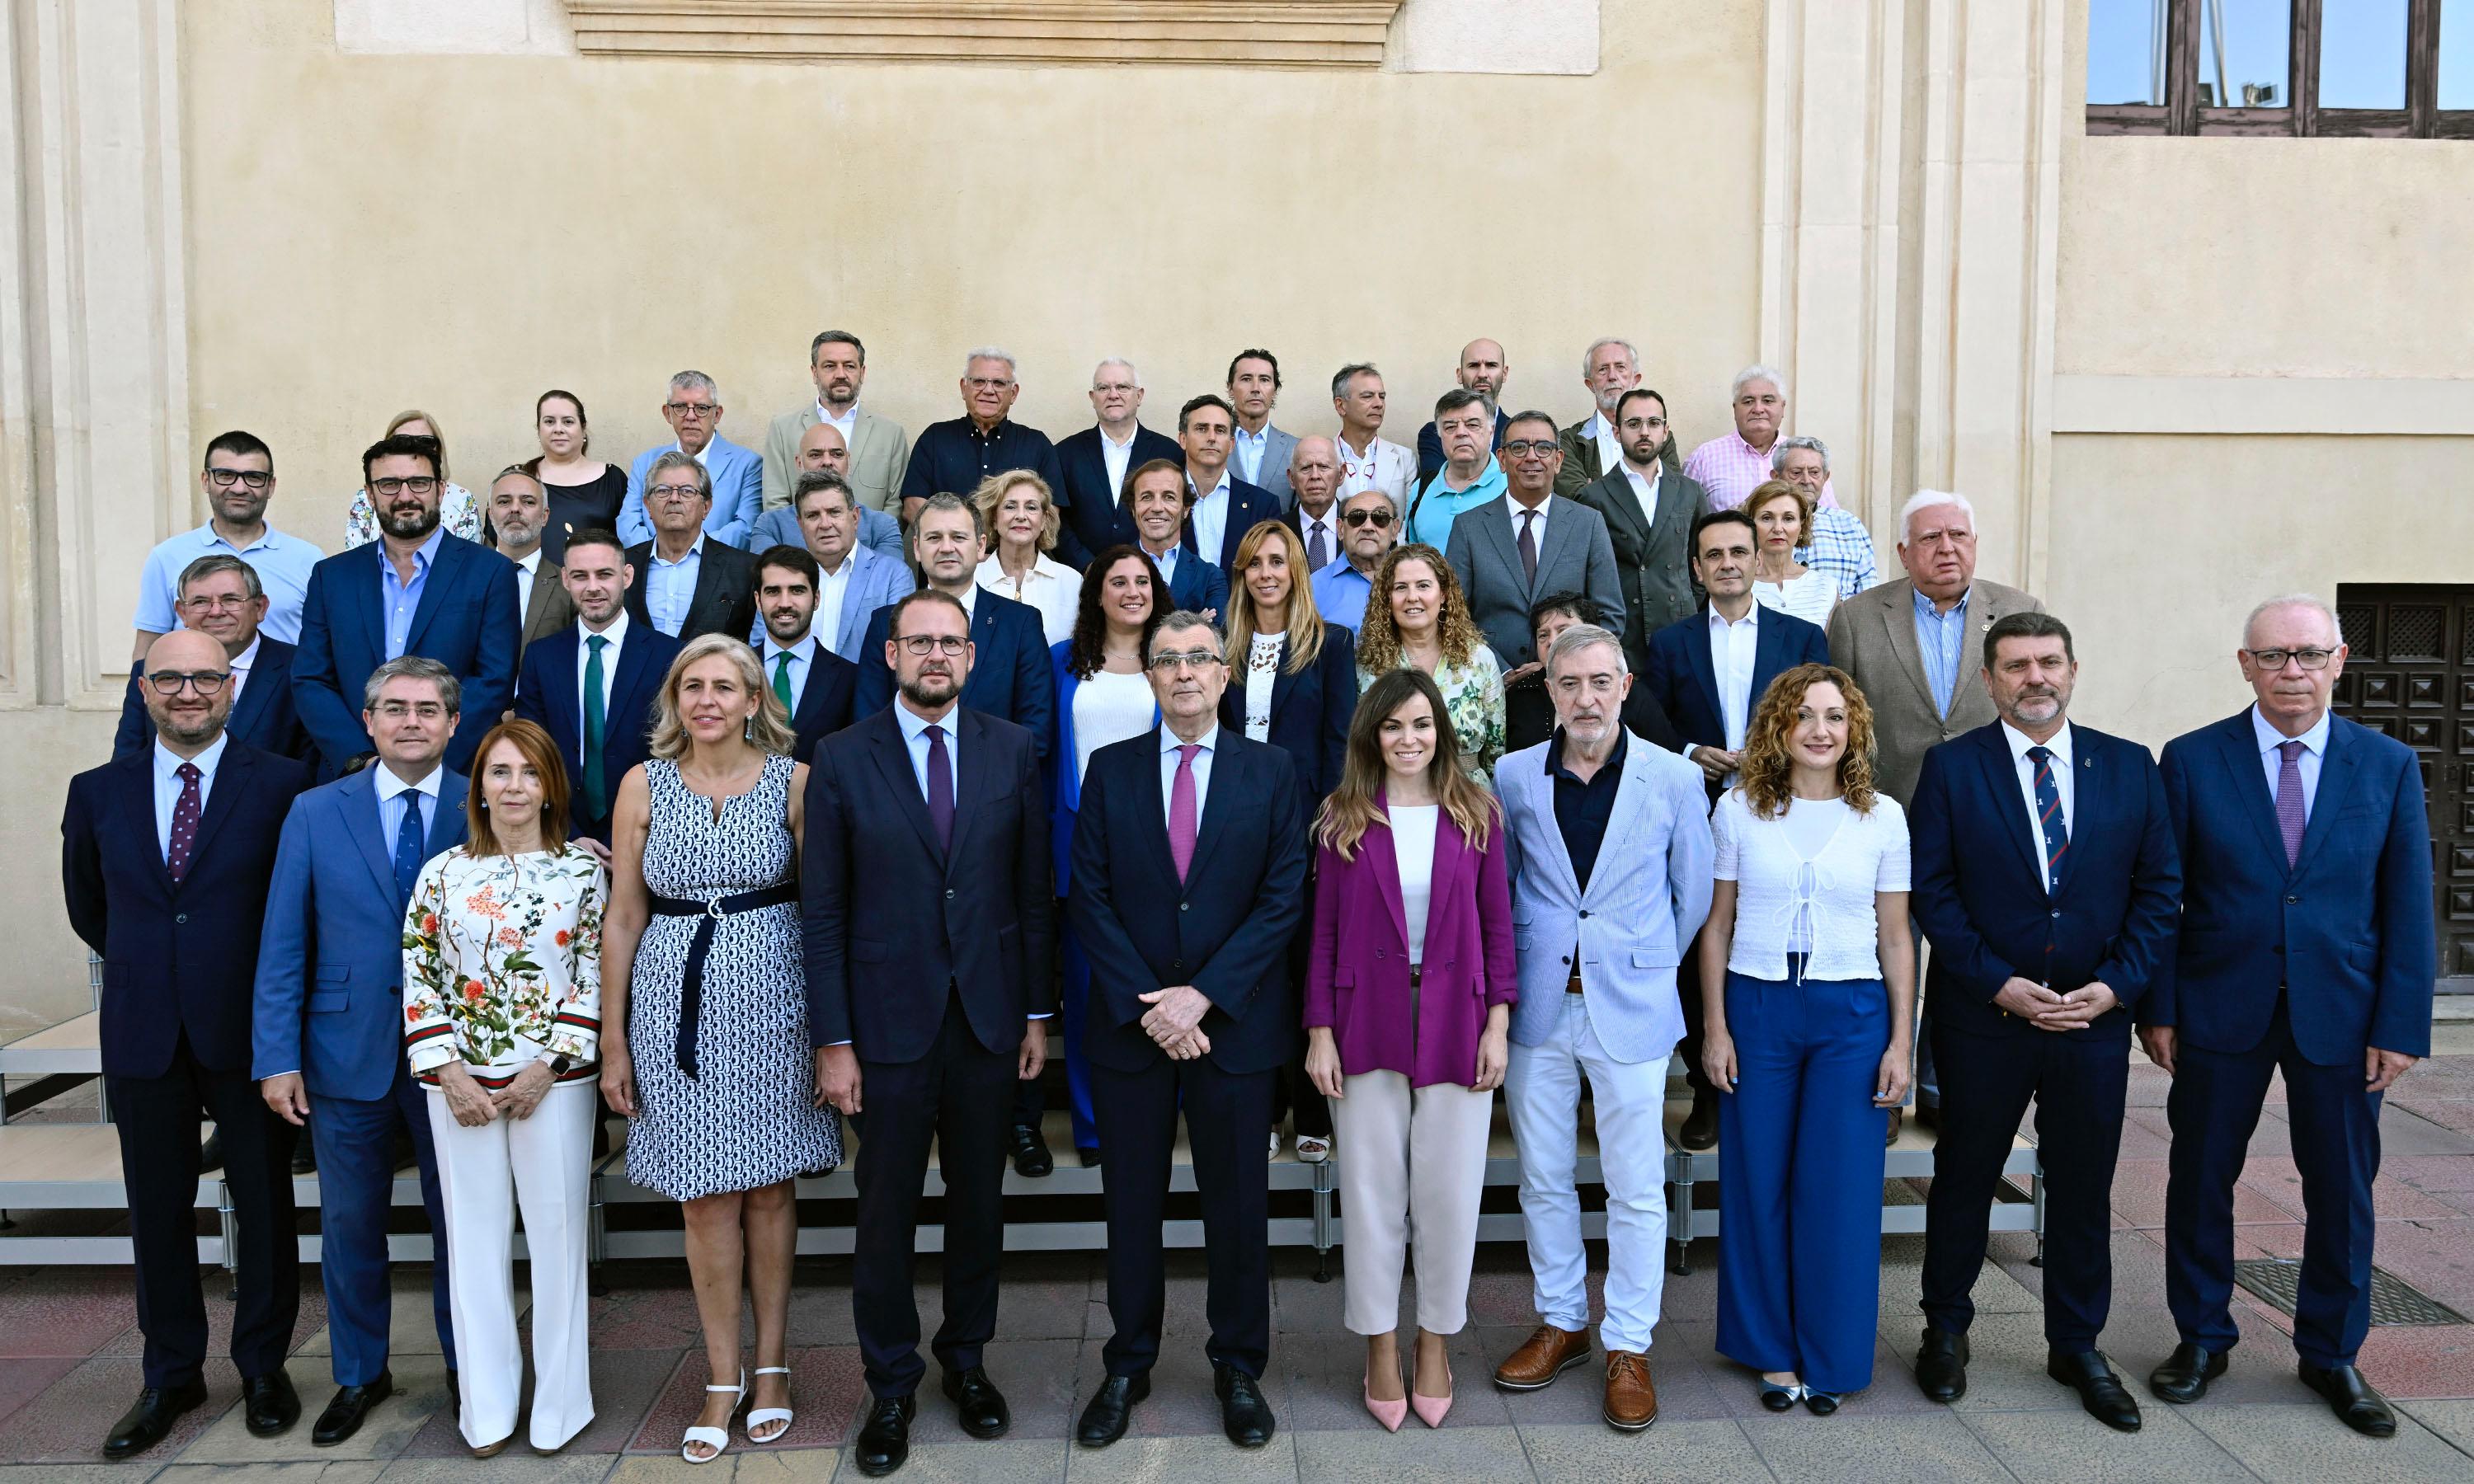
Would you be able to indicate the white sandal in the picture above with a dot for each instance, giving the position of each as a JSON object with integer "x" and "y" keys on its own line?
{"x": 1313, "y": 1150}
{"x": 717, "y": 1438}
{"x": 771, "y": 1414}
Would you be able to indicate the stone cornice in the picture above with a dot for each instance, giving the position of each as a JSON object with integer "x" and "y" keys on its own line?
{"x": 1260, "y": 32}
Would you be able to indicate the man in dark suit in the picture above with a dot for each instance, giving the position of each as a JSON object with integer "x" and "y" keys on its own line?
{"x": 2305, "y": 951}
{"x": 1650, "y": 510}
{"x": 2046, "y": 879}
{"x": 415, "y": 590}
{"x": 815, "y": 684}
{"x": 165, "y": 855}
{"x": 1189, "y": 878}
{"x": 1314, "y": 491}
{"x": 220, "y": 598}
{"x": 688, "y": 584}
{"x": 926, "y": 892}
{"x": 1482, "y": 369}
{"x": 1095, "y": 461}
{"x": 1010, "y": 674}
{"x": 591, "y": 686}
{"x": 1508, "y": 553}
{"x": 1219, "y": 508}
{"x": 1157, "y": 496}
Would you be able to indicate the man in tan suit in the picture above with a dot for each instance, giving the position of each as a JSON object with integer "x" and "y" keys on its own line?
{"x": 1908, "y": 646}
{"x": 880, "y": 450}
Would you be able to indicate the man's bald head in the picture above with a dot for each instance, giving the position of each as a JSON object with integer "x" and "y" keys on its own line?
{"x": 822, "y": 446}
{"x": 192, "y": 714}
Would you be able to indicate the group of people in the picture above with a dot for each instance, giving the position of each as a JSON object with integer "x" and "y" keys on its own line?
{"x": 759, "y": 798}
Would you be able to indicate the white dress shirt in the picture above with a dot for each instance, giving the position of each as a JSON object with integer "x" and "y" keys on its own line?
{"x": 1610, "y": 443}
{"x": 2315, "y": 749}
{"x": 1731, "y": 656}
{"x": 1117, "y": 457}
{"x": 616, "y": 635}
{"x": 833, "y": 588}
{"x": 240, "y": 665}
{"x": 1537, "y": 518}
{"x": 799, "y": 650}
{"x": 847, "y": 424}
{"x": 1328, "y": 523}
{"x": 2026, "y": 767}
{"x": 1644, "y": 491}
{"x": 525, "y": 571}
{"x": 1210, "y": 742}
{"x": 167, "y": 786}
{"x": 1209, "y": 511}
{"x": 914, "y": 741}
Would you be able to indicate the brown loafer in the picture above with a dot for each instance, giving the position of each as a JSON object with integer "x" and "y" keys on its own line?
{"x": 1898, "y": 1118}
{"x": 1548, "y": 1353}
{"x": 1632, "y": 1401}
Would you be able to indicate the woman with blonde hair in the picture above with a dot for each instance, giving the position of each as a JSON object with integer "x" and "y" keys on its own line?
{"x": 1416, "y": 618}
{"x": 1809, "y": 977}
{"x": 702, "y": 965}
{"x": 1019, "y": 512}
{"x": 1410, "y": 881}
{"x": 1783, "y": 523}
{"x": 459, "y": 513}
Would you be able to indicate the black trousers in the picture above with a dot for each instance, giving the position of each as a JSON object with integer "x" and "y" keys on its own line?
{"x": 959, "y": 1096}
{"x": 157, "y": 1120}
{"x": 1225, "y": 1114}
{"x": 1293, "y": 1092}
{"x": 2078, "y": 1083}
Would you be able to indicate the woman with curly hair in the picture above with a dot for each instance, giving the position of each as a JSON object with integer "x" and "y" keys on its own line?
{"x": 1417, "y": 618}
{"x": 1809, "y": 980}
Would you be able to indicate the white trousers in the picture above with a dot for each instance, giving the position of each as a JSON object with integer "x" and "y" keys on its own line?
{"x": 542, "y": 1165}
{"x": 1543, "y": 1091}
{"x": 1412, "y": 1164}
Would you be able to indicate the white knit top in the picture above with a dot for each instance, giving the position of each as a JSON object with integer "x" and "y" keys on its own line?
{"x": 1825, "y": 898}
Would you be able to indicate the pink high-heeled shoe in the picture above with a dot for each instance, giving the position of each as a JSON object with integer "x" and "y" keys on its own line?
{"x": 1390, "y": 1413}
{"x": 1431, "y": 1410}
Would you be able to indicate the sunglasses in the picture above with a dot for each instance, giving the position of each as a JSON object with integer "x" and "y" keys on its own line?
{"x": 1377, "y": 519}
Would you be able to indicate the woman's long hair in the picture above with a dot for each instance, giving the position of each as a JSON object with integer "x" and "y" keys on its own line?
{"x": 1766, "y": 771}
{"x": 769, "y": 728}
{"x": 1090, "y": 640}
{"x": 1303, "y": 624}
{"x": 1378, "y": 643}
{"x": 542, "y": 753}
{"x": 1351, "y": 810}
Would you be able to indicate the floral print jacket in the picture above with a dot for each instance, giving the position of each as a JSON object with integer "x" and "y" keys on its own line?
{"x": 1474, "y": 705}
{"x": 502, "y": 962}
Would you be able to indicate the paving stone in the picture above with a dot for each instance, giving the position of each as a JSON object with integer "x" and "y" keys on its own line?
{"x": 1167, "y": 1460}
{"x": 420, "y": 1393}
{"x": 2307, "y": 1445}
{"x": 2064, "y": 1447}
{"x": 1670, "y": 1451}
{"x": 1429, "y": 1455}
{"x": 1861, "y": 1450}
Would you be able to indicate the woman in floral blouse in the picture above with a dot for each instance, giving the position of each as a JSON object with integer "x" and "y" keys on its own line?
{"x": 503, "y": 1016}
{"x": 458, "y": 513}
{"x": 1416, "y": 618}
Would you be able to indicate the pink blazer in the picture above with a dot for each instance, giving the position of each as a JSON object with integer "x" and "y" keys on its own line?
{"x": 1357, "y": 974}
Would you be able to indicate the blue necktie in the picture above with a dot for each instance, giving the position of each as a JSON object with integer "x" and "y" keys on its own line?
{"x": 2049, "y": 818}
{"x": 407, "y": 849}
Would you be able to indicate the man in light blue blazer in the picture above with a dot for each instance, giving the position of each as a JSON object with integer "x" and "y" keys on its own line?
{"x": 1611, "y": 877}
{"x": 693, "y": 412}
{"x": 822, "y": 451}
{"x": 327, "y": 1021}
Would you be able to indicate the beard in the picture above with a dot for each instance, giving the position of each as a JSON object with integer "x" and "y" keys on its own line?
{"x": 408, "y": 524}
{"x": 931, "y": 691}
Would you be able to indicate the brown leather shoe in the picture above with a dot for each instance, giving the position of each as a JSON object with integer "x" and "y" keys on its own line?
{"x": 1632, "y": 1401}
{"x": 1548, "y": 1353}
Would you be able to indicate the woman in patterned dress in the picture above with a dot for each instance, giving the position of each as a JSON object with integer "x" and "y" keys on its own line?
{"x": 1416, "y": 619}
{"x": 702, "y": 966}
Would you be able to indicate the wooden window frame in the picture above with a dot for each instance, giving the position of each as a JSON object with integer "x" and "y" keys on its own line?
{"x": 2302, "y": 117}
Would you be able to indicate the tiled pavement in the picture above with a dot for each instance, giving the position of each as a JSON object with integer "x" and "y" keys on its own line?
{"x": 68, "y": 1365}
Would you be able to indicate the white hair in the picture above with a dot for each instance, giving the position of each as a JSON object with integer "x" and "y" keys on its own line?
{"x": 2310, "y": 600}
{"x": 991, "y": 353}
{"x": 1114, "y": 360}
{"x": 1600, "y": 344}
{"x": 696, "y": 381}
{"x": 1787, "y": 446}
{"x": 1758, "y": 372}
{"x": 1927, "y": 499}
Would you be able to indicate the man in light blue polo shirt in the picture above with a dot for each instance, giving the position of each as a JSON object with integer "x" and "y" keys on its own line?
{"x": 1368, "y": 523}
{"x": 238, "y": 480}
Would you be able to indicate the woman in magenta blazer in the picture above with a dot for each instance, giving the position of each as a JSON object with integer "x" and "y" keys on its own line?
{"x": 1409, "y": 993}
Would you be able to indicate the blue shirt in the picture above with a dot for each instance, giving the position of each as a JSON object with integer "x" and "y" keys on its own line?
{"x": 2314, "y": 749}
{"x": 1941, "y": 639}
{"x": 670, "y": 587}
{"x": 1206, "y": 514}
{"x": 281, "y": 562}
{"x": 914, "y": 740}
{"x": 1339, "y": 594}
{"x": 952, "y": 458}
{"x": 1433, "y": 510}
{"x": 1210, "y": 742}
{"x": 1247, "y": 452}
{"x": 395, "y": 796}
{"x": 399, "y": 600}
{"x": 167, "y": 785}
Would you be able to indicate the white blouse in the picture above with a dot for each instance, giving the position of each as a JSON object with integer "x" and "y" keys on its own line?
{"x": 1809, "y": 597}
{"x": 502, "y": 962}
{"x": 1262, "y": 675}
{"x": 1787, "y": 890}
{"x": 1108, "y": 707}
{"x": 1049, "y": 587}
{"x": 1413, "y": 843}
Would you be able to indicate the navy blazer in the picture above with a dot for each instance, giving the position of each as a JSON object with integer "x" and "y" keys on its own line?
{"x": 467, "y": 621}
{"x": 1979, "y": 880}
{"x": 1197, "y": 586}
{"x": 1088, "y": 520}
{"x": 1226, "y": 931}
{"x": 177, "y": 960}
{"x": 1249, "y": 506}
{"x": 550, "y": 694}
{"x": 825, "y": 703}
{"x": 894, "y": 924}
{"x": 1684, "y": 680}
{"x": 1008, "y": 676}
{"x": 2348, "y": 925}
{"x": 264, "y": 716}
{"x": 1310, "y": 710}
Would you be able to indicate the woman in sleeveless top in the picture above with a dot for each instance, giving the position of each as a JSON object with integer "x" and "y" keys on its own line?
{"x": 702, "y": 968}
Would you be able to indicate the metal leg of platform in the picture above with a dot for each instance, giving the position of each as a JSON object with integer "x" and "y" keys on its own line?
{"x": 230, "y": 1225}
{"x": 1678, "y": 1228}
{"x": 2038, "y": 1261}
{"x": 1324, "y": 1187}
{"x": 596, "y": 1241}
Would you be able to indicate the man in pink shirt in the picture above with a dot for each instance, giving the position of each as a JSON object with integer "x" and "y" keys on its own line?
{"x": 1730, "y": 465}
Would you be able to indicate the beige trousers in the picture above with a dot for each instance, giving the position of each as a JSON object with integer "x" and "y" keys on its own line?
{"x": 1412, "y": 1166}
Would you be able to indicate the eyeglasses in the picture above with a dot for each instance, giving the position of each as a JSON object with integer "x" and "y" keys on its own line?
{"x": 926, "y": 644}
{"x": 226, "y": 478}
{"x": 1523, "y": 447}
{"x": 1193, "y": 659}
{"x": 216, "y": 603}
{"x": 1651, "y": 424}
{"x": 1377, "y": 519}
{"x": 391, "y": 486}
{"x": 989, "y": 383}
{"x": 2313, "y": 658}
{"x": 205, "y": 683}
{"x": 675, "y": 491}
{"x": 398, "y": 711}
{"x": 690, "y": 409}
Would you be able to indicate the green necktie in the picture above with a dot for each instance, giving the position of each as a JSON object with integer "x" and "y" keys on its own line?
{"x": 596, "y": 792}
{"x": 781, "y": 681}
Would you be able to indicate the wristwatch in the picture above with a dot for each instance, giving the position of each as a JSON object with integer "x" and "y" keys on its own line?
{"x": 558, "y": 1065}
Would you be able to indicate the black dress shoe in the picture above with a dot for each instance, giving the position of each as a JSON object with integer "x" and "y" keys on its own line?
{"x": 1776, "y": 1398}
{"x": 1941, "y": 1365}
{"x": 1244, "y": 1414}
{"x": 1112, "y": 1406}
{"x": 210, "y": 1154}
{"x": 351, "y": 1407}
{"x": 1032, "y": 1160}
{"x": 884, "y": 1438}
{"x": 151, "y": 1419}
{"x": 1700, "y": 1130}
{"x": 2185, "y": 1374}
{"x": 1928, "y": 1114}
{"x": 2351, "y": 1399}
{"x": 1820, "y": 1404}
{"x": 305, "y": 1156}
{"x": 406, "y": 1156}
{"x": 2100, "y": 1390}
{"x": 981, "y": 1405}
{"x": 1089, "y": 1156}
{"x": 269, "y": 1404}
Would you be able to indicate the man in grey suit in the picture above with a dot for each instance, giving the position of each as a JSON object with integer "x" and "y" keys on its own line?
{"x": 1650, "y": 510}
{"x": 1262, "y": 453}
{"x": 1508, "y": 553}
{"x": 880, "y": 450}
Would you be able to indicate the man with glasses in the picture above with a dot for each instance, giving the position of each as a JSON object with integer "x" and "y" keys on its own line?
{"x": 166, "y": 854}
{"x": 952, "y": 457}
{"x": 1482, "y": 369}
{"x": 1095, "y": 461}
{"x": 415, "y": 590}
{"x": 2305, "y": 954}
{"x": 1313, "y": 482}
{"x": 1263, "y": 454}
{"x": 1650, "y": 512}
{"x": 689, "y": 582}
{"x": 1471, "y": 475}
{"x": 1009, "y": 672}
{"x": 1367, "y": 520}
{"x": 879, "y": 449}
{"x": 1189, "y": 872}
{"x": 237, "y": 481}
{"x": 1838, "y": 543}
{"x": 220, "y": 598}
{"x": 734, "y": 476}
{"x": 1510, "y": 553}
